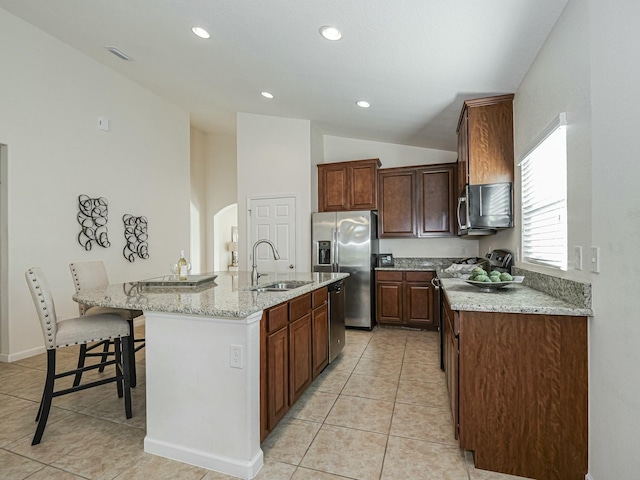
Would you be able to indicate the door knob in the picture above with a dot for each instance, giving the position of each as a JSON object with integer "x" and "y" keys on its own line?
{"x": 291, "y": 266}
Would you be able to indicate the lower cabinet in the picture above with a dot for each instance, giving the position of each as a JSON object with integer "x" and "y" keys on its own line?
{"x": 320, "y": 330}
{"x": 518, "y": 382}
{"x": 405, "y": 298}
{"x": 294, "y": 347}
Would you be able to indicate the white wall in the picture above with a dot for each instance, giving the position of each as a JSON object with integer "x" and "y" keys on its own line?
{"x": 615, "y": 329}
{"x": 340, "y": 149}
{"x": 558, "y": 81}
{"x": 198, "y": 214}
{"x": 51, "y": 96}
{"x": 274, "y": 157}
{"x": 222, "y": 191}
{"x": 588, "y": 68}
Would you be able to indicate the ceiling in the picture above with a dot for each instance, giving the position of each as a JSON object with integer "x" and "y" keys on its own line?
{"x": 415, "y": 61}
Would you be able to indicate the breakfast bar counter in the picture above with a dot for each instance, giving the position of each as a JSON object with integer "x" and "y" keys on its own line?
{"x": 203, "y": 364}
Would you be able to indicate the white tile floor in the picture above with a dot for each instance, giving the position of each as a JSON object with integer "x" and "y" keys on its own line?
{"x": 380, "y": 411}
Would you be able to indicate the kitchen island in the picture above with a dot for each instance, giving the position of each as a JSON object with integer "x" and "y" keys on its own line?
{"x": 203, "y": 364}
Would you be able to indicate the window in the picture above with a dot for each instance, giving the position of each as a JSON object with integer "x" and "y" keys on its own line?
{"x": 544, "y": 198}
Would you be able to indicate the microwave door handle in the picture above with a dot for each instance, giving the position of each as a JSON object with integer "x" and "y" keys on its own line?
{"x": 460, "y": 201}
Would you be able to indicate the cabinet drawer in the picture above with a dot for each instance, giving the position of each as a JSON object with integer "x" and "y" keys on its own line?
{"x": 318, "y": 297}
{"x": 418, "y": 276}
{"x": 298, "y": 307}
{"x": 277, "y": 317}
{"x": 389, "y": 276}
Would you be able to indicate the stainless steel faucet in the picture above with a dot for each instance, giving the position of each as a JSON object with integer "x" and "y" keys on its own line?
{"x": 254, "y": 268}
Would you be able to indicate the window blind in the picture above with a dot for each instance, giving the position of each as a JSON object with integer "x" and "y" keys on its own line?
{"x": 544, "y": 198}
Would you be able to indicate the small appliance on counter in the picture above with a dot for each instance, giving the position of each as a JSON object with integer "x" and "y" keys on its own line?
{"x": 500, "y": 260}
{"x": 385, "y": 260}
{"x": 466, "y": 265}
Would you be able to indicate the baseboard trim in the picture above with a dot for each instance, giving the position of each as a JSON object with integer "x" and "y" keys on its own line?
{"x": 14, "y": 357}
{"x": 230, "y": 466}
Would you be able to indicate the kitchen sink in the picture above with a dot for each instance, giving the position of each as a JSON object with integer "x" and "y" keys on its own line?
{"x": 280, "y": 286}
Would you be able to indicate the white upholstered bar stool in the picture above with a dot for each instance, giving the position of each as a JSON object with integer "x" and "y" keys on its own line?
{"x": 88, "y": 275}
{"x": 77, "y": 331}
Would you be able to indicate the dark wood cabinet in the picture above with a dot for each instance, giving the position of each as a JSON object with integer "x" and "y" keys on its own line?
{"x": 397, "y": 203}
{"x": 389, "y": 297}
{"x": 519, "y": 383}
{"x": 299, "y": 357}
{"x": 320, "y": 330}
{"x": 405, "y": 298}
{"x": 294, "y": 349}
{"x": 350, "y": 185}
{"x": 417, "y": 201}
{"x": 436, "y": 186}
{"x": 485, "y": 141}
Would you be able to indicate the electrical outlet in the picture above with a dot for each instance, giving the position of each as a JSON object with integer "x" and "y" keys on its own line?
{"x": 235, "y": 356}
{"x": 517, "y": 254}
{"x": 577, "y": 258}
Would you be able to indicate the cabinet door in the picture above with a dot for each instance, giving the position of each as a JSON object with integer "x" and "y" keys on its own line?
{"x": 277, "y": 376}
{"x": 363, "y": 189}
{"x": 320, "y": 330}
{"x": 419, "y": 303}
{"x": 437, "y": 212}
{"x": 396, "y": 203}
{"x": 389, "y": 302}
{"x": 300, "y": 349}
{"x": 490, "y": 139}
{"x": 451, "y": 366}
{"x": 333, "y": 188}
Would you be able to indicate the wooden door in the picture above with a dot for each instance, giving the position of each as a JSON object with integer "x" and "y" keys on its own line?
{"x": 299, "y": 356}
{"x": 277, "y": 376}
{"x": 396, "y": 203}
{"x": 363, "y": 187}
{"x": 272, "y": 218}
{"x": 436, "y": 191}
{"x": 333, "y": 186}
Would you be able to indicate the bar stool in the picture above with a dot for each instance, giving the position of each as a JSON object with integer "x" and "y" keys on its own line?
{"x": 88, "y": 275}
{"x": 77, "y": 331}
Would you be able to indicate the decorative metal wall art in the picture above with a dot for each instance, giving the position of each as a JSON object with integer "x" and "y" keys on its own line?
{"x": 92, "y": 217}
{"x": 135, "y": 235}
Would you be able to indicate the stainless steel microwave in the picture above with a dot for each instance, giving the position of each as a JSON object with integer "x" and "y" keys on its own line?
{"x": 484, "y": 209}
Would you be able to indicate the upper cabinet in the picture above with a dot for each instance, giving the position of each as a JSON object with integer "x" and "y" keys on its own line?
{"x": 348, "y": 185}
{"x": 485, "y": 141}
{"x": 417, "y": 201}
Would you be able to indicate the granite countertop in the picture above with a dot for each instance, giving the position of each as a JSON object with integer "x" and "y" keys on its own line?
{"x": 516, "y": 298}
{"x": 229, "y": 296}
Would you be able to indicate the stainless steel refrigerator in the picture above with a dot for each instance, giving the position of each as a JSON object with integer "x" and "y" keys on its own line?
{"x": 348, "y": 242}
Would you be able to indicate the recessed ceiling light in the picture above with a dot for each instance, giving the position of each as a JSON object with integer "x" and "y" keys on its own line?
{"x": 331, "y": 33}
{"x": 201, "y": 32}
{"x": 266, "y": 94}
{"x": 119, "y": 53}
{"x": 363, "y": 104}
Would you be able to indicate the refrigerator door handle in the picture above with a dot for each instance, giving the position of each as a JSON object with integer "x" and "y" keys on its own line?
{"x": 336, "y": 256}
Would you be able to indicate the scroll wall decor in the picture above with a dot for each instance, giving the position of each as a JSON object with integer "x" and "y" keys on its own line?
{"x": 92, "y": 217}
{"x": 135, "y": 235}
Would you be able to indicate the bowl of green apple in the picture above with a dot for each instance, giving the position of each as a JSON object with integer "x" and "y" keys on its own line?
{"x": 488, "y": 281}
